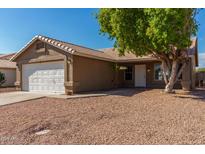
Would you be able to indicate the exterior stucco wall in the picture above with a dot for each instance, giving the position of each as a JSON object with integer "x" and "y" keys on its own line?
{"x": 90, "y": 74}
{"x": 189, "y": 74}
{"x": 10, "y": 76}
{"x": 193, "y": 72}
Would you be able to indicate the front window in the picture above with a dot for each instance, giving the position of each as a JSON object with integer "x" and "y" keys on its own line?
{"x": 157, "y": 72}
{"x": 128, "y": 73}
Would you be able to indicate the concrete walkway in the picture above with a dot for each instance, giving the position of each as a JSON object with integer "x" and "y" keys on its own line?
{"x": 18, "y": 96}
{"x": 21, "y": 96}
{"x": 76, "y": 96}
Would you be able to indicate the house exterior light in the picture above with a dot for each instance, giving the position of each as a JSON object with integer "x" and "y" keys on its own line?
{"x": 123, "y": 68}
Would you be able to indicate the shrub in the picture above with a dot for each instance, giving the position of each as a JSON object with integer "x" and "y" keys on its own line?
{"x": 200, "y": 70}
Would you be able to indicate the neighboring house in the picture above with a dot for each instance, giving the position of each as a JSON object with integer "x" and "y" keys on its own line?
{"x": 50, "y": 65}
{"x": 200, "y": 79}
{"x": 8, "y": 68}
{"x": 6, "y": 56}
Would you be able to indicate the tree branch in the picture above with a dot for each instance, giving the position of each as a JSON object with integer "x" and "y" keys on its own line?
{"x": 180, "y": 71}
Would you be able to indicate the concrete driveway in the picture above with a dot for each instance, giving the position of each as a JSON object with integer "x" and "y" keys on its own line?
{"x": 18, "y": 96}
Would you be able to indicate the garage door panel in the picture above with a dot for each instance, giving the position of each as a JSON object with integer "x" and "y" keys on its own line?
{"x": 45, "y": 77}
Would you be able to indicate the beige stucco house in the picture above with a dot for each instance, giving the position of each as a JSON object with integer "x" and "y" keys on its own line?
{"x": 8, "y": 68}
{"x": 53, "y": 66}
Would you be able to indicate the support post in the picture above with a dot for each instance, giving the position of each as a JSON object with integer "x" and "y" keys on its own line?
{"x": 68, "y": 67}
{"x": 18, "y": 82}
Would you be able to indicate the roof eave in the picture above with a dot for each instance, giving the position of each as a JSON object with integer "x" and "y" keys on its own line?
{"x": 137, "y": 60}
{"x": 7, "y": 67}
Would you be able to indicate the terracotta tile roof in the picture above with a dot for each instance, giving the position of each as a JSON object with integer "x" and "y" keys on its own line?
{"x": 67, "y": 47}
{"x": 7, "y": 64}
{"x": 82, "y": 51}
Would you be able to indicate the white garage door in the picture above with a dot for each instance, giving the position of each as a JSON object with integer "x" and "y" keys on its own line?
{"x": 43, "y": 77}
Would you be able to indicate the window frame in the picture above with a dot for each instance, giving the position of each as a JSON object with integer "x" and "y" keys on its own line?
{"x": 131, "y": 72}
{"x": 155, "y": 74}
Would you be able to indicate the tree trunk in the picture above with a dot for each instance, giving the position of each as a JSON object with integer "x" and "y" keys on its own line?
{"x": 172, "y": 79}
{"x": 164, "y": 70}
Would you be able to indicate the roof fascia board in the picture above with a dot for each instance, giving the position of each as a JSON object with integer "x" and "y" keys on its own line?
{"x": 93, "y": 57}
{"x": 55, "y": 44}
{"x": 138, "y": 60}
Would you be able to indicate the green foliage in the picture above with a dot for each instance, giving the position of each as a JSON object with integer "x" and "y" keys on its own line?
{"x": 145, "y": 31}
{"x": 115, "y": 67}
{"x": 2, "y": 78}
{"x": 200, "y": 70}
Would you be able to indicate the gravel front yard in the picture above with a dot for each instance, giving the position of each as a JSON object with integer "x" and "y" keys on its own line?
{"x": 129, "y": 117}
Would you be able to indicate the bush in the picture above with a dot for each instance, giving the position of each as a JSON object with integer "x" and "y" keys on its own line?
{"x": 200, "y": 70}
{"x": 2, "y": 78}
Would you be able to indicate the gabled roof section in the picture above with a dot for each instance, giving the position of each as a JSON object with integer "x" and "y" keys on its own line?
{"x": 50, "y": 41}
{"x": 67, "y": 47}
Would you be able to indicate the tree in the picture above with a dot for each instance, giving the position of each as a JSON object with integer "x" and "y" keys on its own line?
{"x": 2, "y": 78}
{"x": 164, "y": 33}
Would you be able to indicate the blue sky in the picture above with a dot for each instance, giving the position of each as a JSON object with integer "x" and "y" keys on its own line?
{"x": 77, "y": 26}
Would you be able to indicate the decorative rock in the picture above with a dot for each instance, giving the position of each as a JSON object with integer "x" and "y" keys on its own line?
{"x": 42, "y": 132}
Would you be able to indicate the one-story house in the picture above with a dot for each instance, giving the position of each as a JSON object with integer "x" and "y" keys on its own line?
{"x": 48, "y": 65}
{"x": 200, "y": 79}
{"x": 8, "y": 68}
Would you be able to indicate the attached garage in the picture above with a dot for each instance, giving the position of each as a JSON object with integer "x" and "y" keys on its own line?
{"x": 45, "y": 77}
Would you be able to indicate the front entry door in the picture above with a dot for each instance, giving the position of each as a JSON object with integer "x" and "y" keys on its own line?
{"x": 140, "y": 75}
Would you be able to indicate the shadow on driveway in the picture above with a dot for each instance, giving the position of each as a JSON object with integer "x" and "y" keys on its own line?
{"x": 129, "y": 92}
